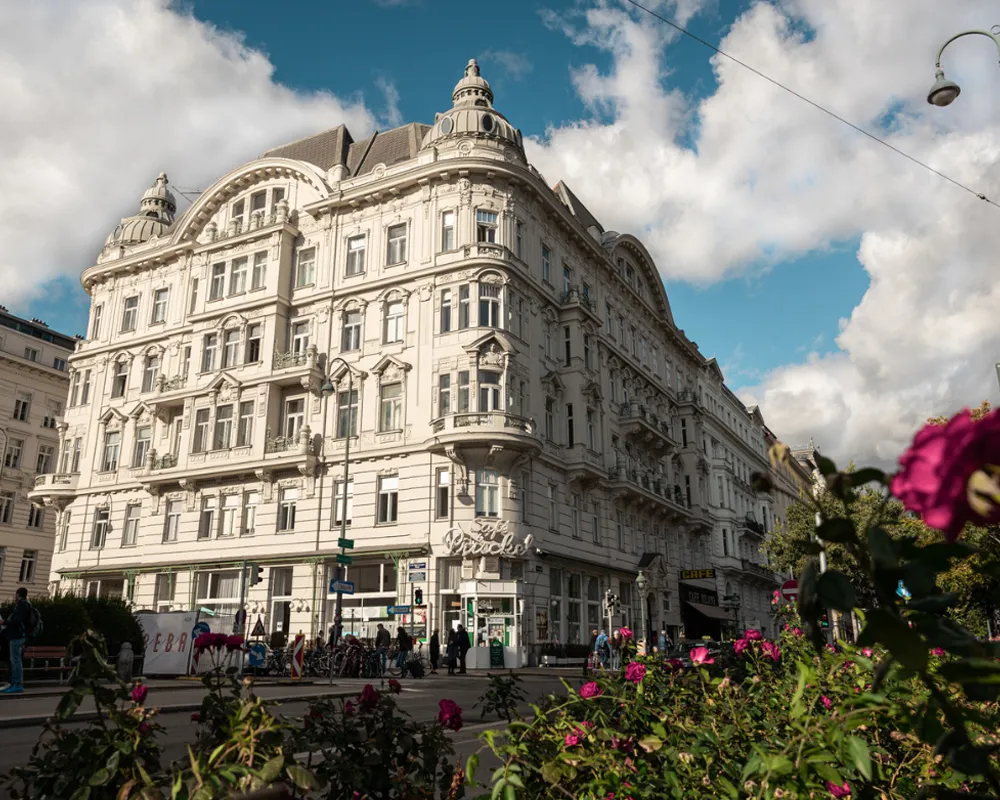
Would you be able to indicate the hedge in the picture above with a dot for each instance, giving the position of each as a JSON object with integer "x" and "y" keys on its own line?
{"x": 65, "y": 617}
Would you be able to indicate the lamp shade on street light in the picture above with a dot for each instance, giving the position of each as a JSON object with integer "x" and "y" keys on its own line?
{"x": 640, "y": 581}
{"x": 944, "y": 91}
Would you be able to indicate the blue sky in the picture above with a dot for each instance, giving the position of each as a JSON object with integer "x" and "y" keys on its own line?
{"x": 751, "y": 324}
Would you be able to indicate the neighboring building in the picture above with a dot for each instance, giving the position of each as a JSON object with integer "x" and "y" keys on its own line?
{"x": 527, "y": 426}
{"x": 33, "y": 381}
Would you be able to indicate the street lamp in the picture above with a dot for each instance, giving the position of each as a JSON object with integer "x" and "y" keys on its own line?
{"x": 640, "y": 582}
{"x": 944, "y": 92}
{"x": 731, "y": 602}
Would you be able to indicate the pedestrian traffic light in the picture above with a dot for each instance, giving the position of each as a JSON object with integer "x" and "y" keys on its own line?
{"x": 256, "y": 574}
{"x": 824, "y": 621}
{"x": 418, "y": 597}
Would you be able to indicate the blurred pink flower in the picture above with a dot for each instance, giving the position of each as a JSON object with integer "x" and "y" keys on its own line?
{"x": 626, "y": 633}
{"x": 939, "y": 652}
{"x": 771, "y": 650}
{"x": 572, "y": 740}
{"x": 139, "y": 692}
{"x": 797, "y": 631}
{"x": 635, "y": 672}
{"x": 827, "y": 702}
{"x": 589, "y": 690}
{"x": 867, "y": 652}
{"x": 838, "y": 791}
{"x": 740, "y": 645}
{"x": 752, "y": 634}
{"x": 450, "y": 714}
{"x": 699, "y": 656}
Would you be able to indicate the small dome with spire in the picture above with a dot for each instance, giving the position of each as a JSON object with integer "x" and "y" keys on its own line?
{"x": 472, "y": 113}
{"x": 156, "y": 215}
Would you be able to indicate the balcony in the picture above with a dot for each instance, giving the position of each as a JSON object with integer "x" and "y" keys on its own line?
{"x": 584, "y": 465}
{"x": 688, "y": 398}
{"x": 486, "y": 440}
{"x": 753, "y": 526}
{"x": 642, "y": 425}
{"x": 53, "y": 487}
{"x": 297, "y": 367}
{"x": 647, "y": 487}
{"x": 761, "y": 571}
{"x": 576, "y": 297}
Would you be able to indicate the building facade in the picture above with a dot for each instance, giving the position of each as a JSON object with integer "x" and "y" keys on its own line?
{"x": 527, "y": 427}
{"x": 33, "y": 381}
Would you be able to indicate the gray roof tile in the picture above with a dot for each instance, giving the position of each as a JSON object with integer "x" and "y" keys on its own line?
{"x": 324, "y": 150}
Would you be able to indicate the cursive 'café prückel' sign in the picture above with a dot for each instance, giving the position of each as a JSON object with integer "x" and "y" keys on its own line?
{"x": 486, "y": 537}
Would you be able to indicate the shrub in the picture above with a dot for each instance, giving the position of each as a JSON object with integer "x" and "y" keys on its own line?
{"x": 64, "y": 619}
{"x": 115, "y": 622}
{"x": 67, "y": 617}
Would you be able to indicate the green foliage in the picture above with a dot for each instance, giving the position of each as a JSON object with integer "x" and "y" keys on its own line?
{"x": 68, "y": 617}
{"x": 502, "y": 697}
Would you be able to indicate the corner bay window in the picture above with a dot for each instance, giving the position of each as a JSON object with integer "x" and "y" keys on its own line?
{"x": 442, "y": 497}
{"x": 489, "y": 305}
{"x": 305, "y": 267}
{"x": 490, "y": 391}
{"x": 447, "y": 230}
{"x": 486, "y": 226}
{"x": 295, "y": 412}
{"x": 487, "y": 493}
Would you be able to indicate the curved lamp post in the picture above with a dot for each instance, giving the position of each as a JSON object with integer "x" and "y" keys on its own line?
{"x": 944, "y": 91}
{"x": 640, "y": 582}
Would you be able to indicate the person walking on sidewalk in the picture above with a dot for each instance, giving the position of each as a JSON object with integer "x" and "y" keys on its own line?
{"x": 463, "y": 648}
{"x": 452, "y": 652}
{"x": 15, "y": 630}
{"x": 435, "y": 648}
{"x": 382, "y": 645}
{"x": 588, "y": 662}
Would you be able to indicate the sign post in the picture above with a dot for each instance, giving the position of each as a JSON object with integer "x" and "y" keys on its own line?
{"x": 790, "y": 591}
{"x": 298, "y": 656}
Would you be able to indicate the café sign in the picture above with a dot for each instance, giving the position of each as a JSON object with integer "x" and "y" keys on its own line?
{"x": 696, "y": 574}
{"x": 486, "y": 537}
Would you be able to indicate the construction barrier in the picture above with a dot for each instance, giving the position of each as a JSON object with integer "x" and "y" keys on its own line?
{"x": 298, "y": 656}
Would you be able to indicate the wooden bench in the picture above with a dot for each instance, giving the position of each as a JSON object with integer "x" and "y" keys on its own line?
{"x": 46, "y": 655}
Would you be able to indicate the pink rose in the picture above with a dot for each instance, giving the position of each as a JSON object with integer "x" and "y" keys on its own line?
{"x": 939, "y": 652}
{"x": 348, "y": 708}
{"x": 450, "y": 715}
{"x": 368, "y": 698}
{"x": 699, "y": 656}
{"x": 827, "y": 702}
{"x": 867, "y": 652}
{"x": 572, "y": 740}
{"x": 771, "y": 650}
{"x": 797, "y": 632}
{"x": 234, "y": 642}
{"x": 673, "y": 665}
{"x": 626, "y": 633}
{"x": 752, "y": 634}
{"x": 740, "y": 645}
{"x": 394, "y": 686}
{"x": 203, "y": 641}
{"x": 196, "y": 717}
{"x": 635, "y": 672}
{"x": 139, "y": 692}
{"x": 776, "y": 597}
{"x": 935, "y": 471}
{"x": 145, "y": 728}
{"x": 838, "y": 791}
{"x": 589, "y": 690}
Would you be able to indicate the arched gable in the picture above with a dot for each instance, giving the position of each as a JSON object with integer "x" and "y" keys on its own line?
{"x": 644, "y": 261}
{"x": 238, "y": 181}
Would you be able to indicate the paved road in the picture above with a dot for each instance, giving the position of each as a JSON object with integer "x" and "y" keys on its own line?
{"x": 419, "y": 699}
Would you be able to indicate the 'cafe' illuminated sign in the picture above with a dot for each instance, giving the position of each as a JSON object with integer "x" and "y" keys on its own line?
{"x": 487, "y": 537}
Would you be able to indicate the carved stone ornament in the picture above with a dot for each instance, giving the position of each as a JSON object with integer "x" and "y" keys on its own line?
{"x": 487, "y": 537}
{"x": 491, "y": 355}
{"x": 464, "y": 149}
{"x": 379, "y": 171}
{"x": 426, "y": 291}
{"x": 391, "y": 374}
{"x": 464, "y": 184}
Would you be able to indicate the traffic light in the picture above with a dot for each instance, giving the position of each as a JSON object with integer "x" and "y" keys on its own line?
{"x": 256, "y": 573}
{"x": 824, "y": 621}
{"x": 418, "y": 597}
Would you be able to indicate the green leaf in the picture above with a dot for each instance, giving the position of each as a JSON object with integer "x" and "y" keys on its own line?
{"x": 552, "y": 772}
{"x": 858, "y": 751}
{"x": 867, "y": 475}
{"x": 509, "y": 793}
{"x": 933, "y": 604}
{"x": 68, "y": 706}
{"x": 904, "y": 643}
{"x": 971, "y": 669}
{"x": 470, "y": 766}
{"x": 825, "y": 465}
{"x": 271, "y": 770}
{"x": 302, "y": 777}
{"x": 101, "y": 777}
{"x": 650, "y": 744}
{"x": 882, "y": 548}
{"x": 836, "y": 591}
{"x": 837, "y": 530}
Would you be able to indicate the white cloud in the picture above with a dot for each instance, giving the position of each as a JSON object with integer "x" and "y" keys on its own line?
{"x": 392, "y": 113}
{"x": 750, "y": 176}
{"x": 515, "y": 65}
{"x": 99, "y": 97}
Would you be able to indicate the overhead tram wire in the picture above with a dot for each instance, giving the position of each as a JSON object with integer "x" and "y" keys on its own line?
{"x": 813, "y": 103}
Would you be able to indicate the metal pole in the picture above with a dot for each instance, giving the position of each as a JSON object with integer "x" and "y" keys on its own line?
{"x": 237, "y": 625}
{"x": 822, "y": 568}
{"x": 338, "y": 613}
{"x": 412, "y": 613}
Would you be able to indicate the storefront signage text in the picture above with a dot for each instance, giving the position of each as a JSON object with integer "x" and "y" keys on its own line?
{"x": 487, "y": 537}
{"x": 696, "y": 574}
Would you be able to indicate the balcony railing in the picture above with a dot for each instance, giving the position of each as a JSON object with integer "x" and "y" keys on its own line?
{"x": 649, "y": 482}
{"x": 575, "y": 295}
{"x": 759, "y": 569}
{"x": 56, "y": 480}
{"x": 176, "y": 382}
{"x": 258, "y": 220}
{"x": 166, "y": 461}
{"x": 497, "y": 420}
{"x": 281, "y": 444}
{"x": 687, "y": 396}
{"x": 282, "y": 360}
{"x": 754, "y": 526}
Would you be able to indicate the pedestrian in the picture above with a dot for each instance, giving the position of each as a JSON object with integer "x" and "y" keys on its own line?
{"x": 22, "y": 622}
{"x": 382, "y": 644}
{"x": 662, "y": 642}
{"x": 451, "y": 653}
{"x": 463, "y": 648}
{"x": 590, "y": 652}
{"x": 435, "y": 648}
{"x": 603, "y": 649}
{"x": 404, "y": 644}
{"x": 616, "y": 650}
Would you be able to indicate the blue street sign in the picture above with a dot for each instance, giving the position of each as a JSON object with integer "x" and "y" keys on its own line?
{"x": 344, "y": 587}
{"x": 257, "y": 654}
{"x": 902, "y": 591}
{"x": 199, "y": 628}
{"x": 398, "y": 610}
{"x": 417, "y": 577}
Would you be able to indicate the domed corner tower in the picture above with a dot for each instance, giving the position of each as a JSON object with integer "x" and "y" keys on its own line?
{"x": 155, "y": 218}
{"x": 472, "y": 115}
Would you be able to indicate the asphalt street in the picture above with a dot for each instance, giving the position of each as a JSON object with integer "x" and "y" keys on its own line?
{"x": 419, "y": 699}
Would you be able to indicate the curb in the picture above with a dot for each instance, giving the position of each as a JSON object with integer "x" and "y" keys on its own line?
{"x": 35, "y": 720}
{"x": 181, "y": 685}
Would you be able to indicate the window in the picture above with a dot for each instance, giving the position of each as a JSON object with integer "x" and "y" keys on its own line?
{"x": 338, "y": 502}
{"x": 31, "y": 354}
{"x": 347, "y": 414}
{"x": 74, "y": 389}
{"x": 463, "y": 307}
{"x": 388, "y": 499}
{"x": 447, "y": 230}
{"x": 59, "y": 364}
{"x": 143, "y": 439}
{"x": 396, "y": 244}
{"x": 218, "y": 285}
{"x": 238, "y": 276}
{"x": 200, "y": 431}
{"x": 489, "y": 305}
{"x": 444, "y": 394}
{"x": 394, "y": 322}
{"x": 207, "y": 523}
{"x": 172, "y": 523}
{"x": 194, "y": 295}
{"x": 36, "y": 516}
{"x": 258, "y": 276}
{"x": 236, "y": 214}
{"x": 163, "y": 591}
{"x": 223, "y": 428}
{"x": 99, "y": 535}
{"x": 575, "y": 521}
{"x": 28, "y": 561}
{"x": 463, "y": 391}
{"x": 567, "y": 345}
{"x": 295, "y": 417}
{"x": 391, "y": 407}
{"x": 150, "y": 372}
{"x": 632, "y": 339}
{"x": 77, "y": 453}
{"x": 277, "y": 195}
{"x": 553, "y": 508}
{"x": 286, "y": 509}
{"x": 621, "y": 330}
{"x": 95, "y": 321}
{"x": 22, "y": 406}
{"x": 130, "y": 313}
{"x": 300, "y": 338}
{"x": 258, "y": 202}
{"x": 587, "y": 361}
{"x": 356, "y": 247}
{"x": 250, "y": 501}
{"x": 547, "y": 339}
{"x": 6, "y": 507}
{"x": 445, "y": 310}
{"x": 570, "y": 440}
{"x": 590, "y": 429}
{"x": 550, "y": 419}
{"x": 519, "y": 239}
{"x": 643, "y": 350}
{"x": 229, "y": 514}
{"x": 209, "y": 348}
{"x": 486, "y": 226}
{"x": 119, "y": 380}
{"x": 63, "y": 533}
{"x": 244, "y": 430}
{"x": 567, "y": 280}
{"x": 546, "y": 263}
{"x": 490, "y": 395}
{"x": 12, "y": 457}
{"x": 112, "y": 444}
{"x": 159, "y": 306}
{"x": 254, "y": 334}
{"x": 230, "y": 348}
{"x": 305, "y": 267}
{"x": 442, "y": 495}
{"x": 487, "y": 493}
{"x": 352, "y": 331}
{"x": 130, "y": 534}
{"x": 186, "y": 362}
{"x": 596, "y": 522}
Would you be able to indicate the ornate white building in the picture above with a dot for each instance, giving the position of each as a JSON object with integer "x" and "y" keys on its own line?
{"x": 527, "y": 425}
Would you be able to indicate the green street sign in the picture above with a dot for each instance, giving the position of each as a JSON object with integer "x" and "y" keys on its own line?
{"x": 347, "y": 544}
{"x": 344, "y": 559}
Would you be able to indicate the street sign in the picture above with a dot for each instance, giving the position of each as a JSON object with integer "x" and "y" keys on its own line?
{"x": 257, "y": 654}
{"x": 790, "y": 591}
{"x": 199, "y": 628}
{"x": 347, "y": 544}
{"x": 696, "y": 574}
{"x": 398, "y": 610}
{"x": 418, "y": 565}
{"x": 344, "y": 559}
{"x": 344, "y": 587}
{"x": 415, "y": 577}
{"x": 258, "y": 628}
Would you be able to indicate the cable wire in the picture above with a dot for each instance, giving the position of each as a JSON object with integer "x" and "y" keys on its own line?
{"x": 813, "y": 103}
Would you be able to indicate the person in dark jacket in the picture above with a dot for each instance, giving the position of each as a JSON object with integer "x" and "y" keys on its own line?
{"x": 590, "y": 652}
{"x": 451, "y": 654}
{"x": 15, "y": 629}
{"x": 463, "y": 648}
{"x": 404, "y": 644}
{"x": 435, "y": 651}
{"x": 382, "y": 644}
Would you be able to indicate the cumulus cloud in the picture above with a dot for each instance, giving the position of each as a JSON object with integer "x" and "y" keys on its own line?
{"x": 515, "y": 65}
{"x": 749, "y": 176}
{"x": 99, "y": 97}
